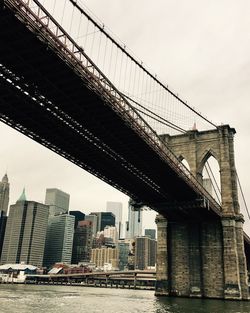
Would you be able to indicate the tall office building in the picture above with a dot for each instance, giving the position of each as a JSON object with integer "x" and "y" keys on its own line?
{"x": 4, "y": 194}
{"x": 3, "y": 220}
{"x": 93, "y": 219}
{"x": 134, "y": 223}
{"x": 150, "y": 233}
{"x": 59, "y": 239}
{"x": 104, "y": 219}
{"x": 116, "y": 209}
{"x": 79, "y": 216}
{"x": 25, "y": 232}
{"x": 145, "y": 252}
{"x": 82, "y": 245}
{"x": 57, "y": 200}
{"x": 123, "y": 248}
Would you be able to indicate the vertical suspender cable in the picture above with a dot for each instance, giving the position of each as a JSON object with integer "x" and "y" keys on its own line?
{"x": 243, "y": 197}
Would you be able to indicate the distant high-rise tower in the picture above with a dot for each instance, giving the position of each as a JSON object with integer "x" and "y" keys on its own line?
{"x": 150, "y": 233}
{"x": 25, "y": 232}
{"x": 4, "y": 194}
{"x": 111, "y": 232}
{"x": 145, "y": 253}
{"x": 134, "y": 223}
{"x": 93, "y": 219}
{"x": 79, "y": 216}
{"x": 57, "y": 200}
{"x": 104, "y": 219}
{"x": 116, "y": 209}
{"x": 3, "y": 220}
{"x": 83, "y": 238}
{"x": 59, "y": 239}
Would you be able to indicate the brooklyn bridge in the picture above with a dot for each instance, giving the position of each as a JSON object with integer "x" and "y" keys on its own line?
{"x": 68, "y": 84}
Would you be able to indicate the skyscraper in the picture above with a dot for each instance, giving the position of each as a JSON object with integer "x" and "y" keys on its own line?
{"x": 79, "y": 216}
{"x": 104, "y": 219}
{"x": 116, "y": 209}
{"x": 150, "y": 233}
{"x": 4, "y": 194}
{"x": 145, "y": 252}
{"x": 123, "y": 248}
{"x": 57, "y": 200}
{"x": 93, "y": 219}
{"x": 3, "y": 220}
{"x": 134, "y": 223}
{"x": 25, "y": 232}
{"x": 59, "y": 239}
{"x": 82, "y": 242}
{"x": 111, "y": 232}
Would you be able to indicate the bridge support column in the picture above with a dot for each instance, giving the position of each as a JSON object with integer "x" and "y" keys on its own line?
{"x": 212, "y": 259}
{"x": 179, "y": 276}
{"x": 241, "y": 257}
{"x": 195, "y": 260}
{"x": 232, "y": 287}
{"x": 162, "y": 285}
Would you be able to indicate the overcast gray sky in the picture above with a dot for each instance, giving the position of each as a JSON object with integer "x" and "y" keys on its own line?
{"x": 200, "y": 48}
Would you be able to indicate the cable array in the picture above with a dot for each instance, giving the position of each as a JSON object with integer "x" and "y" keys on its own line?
{"x": 162, "y": 109}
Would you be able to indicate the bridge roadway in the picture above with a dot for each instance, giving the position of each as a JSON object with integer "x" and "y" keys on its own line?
{"x": 52, "y": 97}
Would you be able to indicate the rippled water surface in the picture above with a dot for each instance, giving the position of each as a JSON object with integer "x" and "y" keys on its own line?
{"x": 62, "y": 299}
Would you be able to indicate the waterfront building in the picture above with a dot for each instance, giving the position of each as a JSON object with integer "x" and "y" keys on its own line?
{"x": 104, "y": 219}
{"x": 82, "y": 244}
{"x": 4, "y": 194}
{"x": 16, "y": 273}
{"x": 145, "y": 252}
{"x": 25, "y": 232}
{"x": 134, "y": 223}
{"x": 57, "y": 200}
{"x": 103, "y": 255}
{"x": 150, "y": 233}
{"x": 93, "y": 219}
{"x": 116, "y": 209}
{"x": 79, "y": 216}
{"x": 59, "y": 239}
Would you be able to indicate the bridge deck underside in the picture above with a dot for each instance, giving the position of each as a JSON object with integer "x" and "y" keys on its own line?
{"x": 104, "y": 144}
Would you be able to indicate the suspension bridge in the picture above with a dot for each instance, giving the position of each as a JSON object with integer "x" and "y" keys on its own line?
{"x": 68, "y": 84}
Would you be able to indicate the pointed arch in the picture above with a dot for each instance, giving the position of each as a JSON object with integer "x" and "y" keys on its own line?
{"x": 184, "y": 161}
{"x": 184, "y": 164}
{"x": 210, "y": 173}
{"x": 205, "y": 156}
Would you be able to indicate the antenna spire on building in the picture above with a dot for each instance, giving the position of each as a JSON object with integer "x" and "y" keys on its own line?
{"x": 23, "y": 196}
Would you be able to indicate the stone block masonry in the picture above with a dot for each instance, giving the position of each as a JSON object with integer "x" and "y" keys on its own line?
{"x": 205, "y": 258}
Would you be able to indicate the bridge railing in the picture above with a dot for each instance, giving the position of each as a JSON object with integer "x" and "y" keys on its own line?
{"x": 40, "y": 21}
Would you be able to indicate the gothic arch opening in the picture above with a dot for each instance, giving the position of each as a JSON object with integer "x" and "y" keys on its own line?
{"x": 184, "y": 164}
{"x": 211, "y": 177}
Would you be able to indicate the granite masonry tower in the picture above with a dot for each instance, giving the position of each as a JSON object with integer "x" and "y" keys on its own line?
{"x": 204, "y": 258}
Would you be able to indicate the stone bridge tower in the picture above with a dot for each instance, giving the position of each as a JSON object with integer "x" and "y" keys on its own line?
{"x": 204, "y": 258}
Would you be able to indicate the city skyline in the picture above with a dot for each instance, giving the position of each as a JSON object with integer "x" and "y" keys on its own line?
{"x": 215, "y": 82}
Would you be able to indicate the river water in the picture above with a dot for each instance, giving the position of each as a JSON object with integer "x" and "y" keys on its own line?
{"x": 68, "y": 299}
